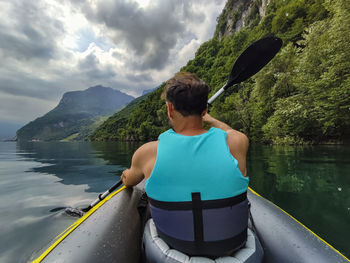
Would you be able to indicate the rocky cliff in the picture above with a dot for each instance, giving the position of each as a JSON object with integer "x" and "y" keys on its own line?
{"x": 238, "y": 14}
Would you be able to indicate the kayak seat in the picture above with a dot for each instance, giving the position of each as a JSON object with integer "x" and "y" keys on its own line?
{"x": 157, "y": 251}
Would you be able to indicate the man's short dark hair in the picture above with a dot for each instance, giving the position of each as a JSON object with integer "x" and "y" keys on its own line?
{"x": 188, "y": 93}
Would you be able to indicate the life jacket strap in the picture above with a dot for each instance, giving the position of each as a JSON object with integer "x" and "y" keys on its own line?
{"x": 206, "y": 204}
{"x": 197, "y": 218}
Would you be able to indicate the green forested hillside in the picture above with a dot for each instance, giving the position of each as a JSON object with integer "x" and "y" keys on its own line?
{"x": 303, "y": 95}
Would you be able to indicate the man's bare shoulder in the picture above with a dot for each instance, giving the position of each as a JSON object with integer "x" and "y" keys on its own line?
{"x": 147, "y": 149}
{"x": 237, "y": 140}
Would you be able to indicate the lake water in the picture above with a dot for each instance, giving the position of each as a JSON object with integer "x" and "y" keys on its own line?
{"x": 311, "y": 183}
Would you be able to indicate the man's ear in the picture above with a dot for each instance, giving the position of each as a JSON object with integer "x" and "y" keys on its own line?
{"x": 205, "y": 111}
{"x": 171, "y": 109}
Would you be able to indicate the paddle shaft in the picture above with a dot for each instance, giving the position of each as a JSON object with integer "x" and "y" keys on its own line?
{"x": 217, "y": 94}
{"x": 103, "y": 196}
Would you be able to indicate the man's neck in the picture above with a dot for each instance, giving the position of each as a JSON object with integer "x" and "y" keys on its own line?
{"x": 189, "y": 126}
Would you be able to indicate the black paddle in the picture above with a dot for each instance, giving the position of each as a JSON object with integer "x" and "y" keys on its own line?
{"x": 103, "y": 196}
{"x": 250, "y": 62}
{"x": 80, "y": 212}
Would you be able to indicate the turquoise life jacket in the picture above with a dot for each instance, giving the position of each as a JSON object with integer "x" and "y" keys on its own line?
{"x": 198, "y": 195}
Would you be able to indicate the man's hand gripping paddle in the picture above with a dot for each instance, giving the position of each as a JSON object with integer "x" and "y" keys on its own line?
{"x": 80, "y": 212}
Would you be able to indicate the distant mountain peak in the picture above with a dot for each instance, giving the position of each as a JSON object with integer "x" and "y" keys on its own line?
{"x": 76, "y": 110}
{"x": 99, "y": 88}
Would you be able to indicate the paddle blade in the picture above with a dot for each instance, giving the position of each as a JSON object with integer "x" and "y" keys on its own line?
{"x": 253, "y": 59}
{"x": 74, "y": 212}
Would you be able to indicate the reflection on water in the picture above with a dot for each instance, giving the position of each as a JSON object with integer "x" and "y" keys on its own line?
{"x": 311, "y": 183}
{"x": 38, "y": 177}
{"x": 79, "y": 163}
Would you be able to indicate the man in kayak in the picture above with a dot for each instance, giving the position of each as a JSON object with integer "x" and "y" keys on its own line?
{"x": 196, "y": 178}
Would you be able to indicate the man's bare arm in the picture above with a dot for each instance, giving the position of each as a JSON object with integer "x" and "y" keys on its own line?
{"x": 140, "y": 165}
{"x": 237, "y": 141}
{"x": 212, "y": 122}
{"x": 134, "y": 174}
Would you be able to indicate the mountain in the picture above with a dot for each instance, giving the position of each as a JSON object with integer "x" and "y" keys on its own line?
{"x": 301, "y": 96}
{"x": 76, "y": 116}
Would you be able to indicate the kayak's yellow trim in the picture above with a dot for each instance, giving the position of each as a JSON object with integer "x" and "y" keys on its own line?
{"x": 70, "y": 229}
{"x": 255, "y": 192}
{"x": 303, "y": 226}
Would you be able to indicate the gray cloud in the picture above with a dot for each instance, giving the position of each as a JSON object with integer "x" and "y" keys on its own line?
{"x": 91, "y": 67}
{"x": 152, "y": 32}
{"x": 32, "y": 34}
{"x": 139, "y": 77}
{"x": 24, "y": 48}
{"x": 29, "y": 87}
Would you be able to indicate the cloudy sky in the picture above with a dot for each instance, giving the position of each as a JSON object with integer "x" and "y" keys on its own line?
{"x": 49, "y": 47}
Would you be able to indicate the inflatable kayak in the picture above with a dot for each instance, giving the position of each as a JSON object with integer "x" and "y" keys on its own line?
{"x": 112, "y": 232}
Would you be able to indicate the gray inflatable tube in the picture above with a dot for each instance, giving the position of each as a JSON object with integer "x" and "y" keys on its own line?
{"x": 157, "y": 251}
{"x": 113, "y": 233}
